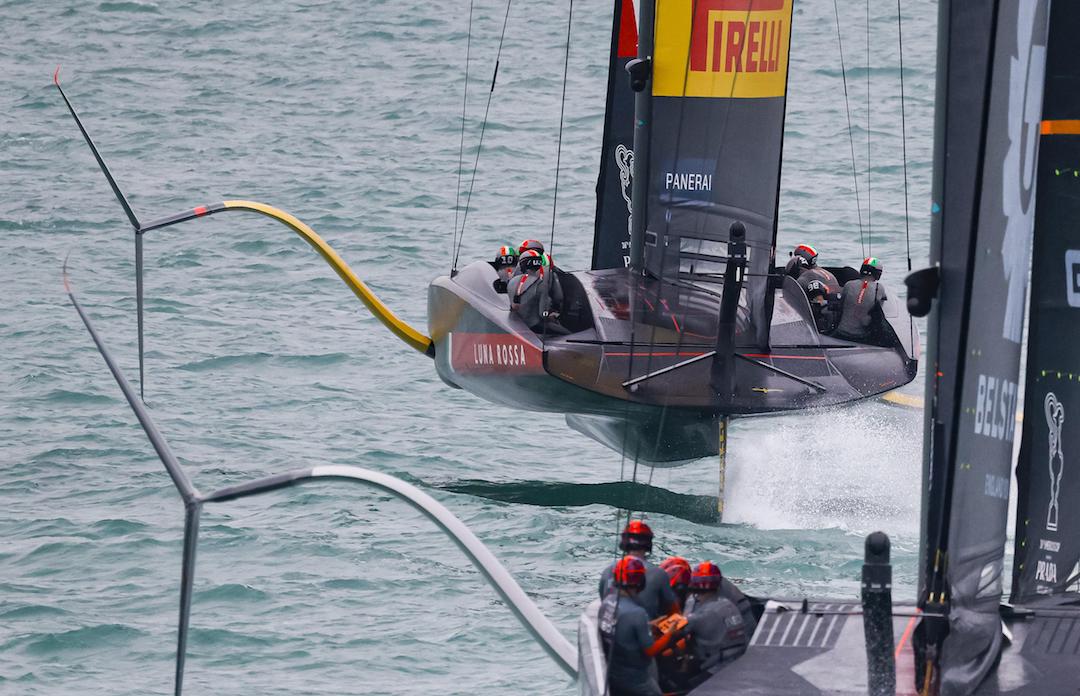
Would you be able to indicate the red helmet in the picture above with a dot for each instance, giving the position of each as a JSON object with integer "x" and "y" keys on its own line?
{"x": 807, "y": 252}
{"x": 678, "y": 570}
{"x": 706, "y": 577}
{"x": 636, "y": 537}
{"x": 533, "y": 244}
{"x": 629, "y": 573}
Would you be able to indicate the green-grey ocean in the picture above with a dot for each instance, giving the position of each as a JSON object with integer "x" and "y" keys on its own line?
{"x": 259, "y": 360}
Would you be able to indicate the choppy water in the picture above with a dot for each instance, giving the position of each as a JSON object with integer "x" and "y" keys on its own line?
{"x": 346, "y": 113}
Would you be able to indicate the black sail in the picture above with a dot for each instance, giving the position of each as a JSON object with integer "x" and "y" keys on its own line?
{"x": 990, "y": 76}
{"x": 1047, "y": 558}
{"x": 611, "y": 242}
{"x": 719, "y": 84}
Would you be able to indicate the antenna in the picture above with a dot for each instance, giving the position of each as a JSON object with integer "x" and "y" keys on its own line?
{"x": 131, "y": 217}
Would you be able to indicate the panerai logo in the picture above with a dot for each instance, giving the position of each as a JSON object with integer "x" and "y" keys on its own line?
{"x": 995, "y": 408}
{"x": 1055, "y": 417}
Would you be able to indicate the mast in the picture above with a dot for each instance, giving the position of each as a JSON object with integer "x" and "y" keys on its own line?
{"x": 991, "y": 58}
{"x": 641, "y": 82}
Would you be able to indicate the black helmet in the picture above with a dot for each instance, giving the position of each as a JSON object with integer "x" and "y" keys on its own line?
{"x": 507, "y": 256}
{"x": 795, "y": 266}
{"x": 871, "y": 267}
{"x": 807, "y": 252}
{"x": 531, "y": 259}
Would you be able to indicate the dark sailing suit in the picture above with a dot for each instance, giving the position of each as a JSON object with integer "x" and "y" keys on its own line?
{"x": 656, "y": 598}
{"x": 819, "y": 285}
{"x": 717, "y": 632}
{"x": 729, "y": 591}
{"x": 859, "y": 300}
{"x": 534, "y": 294}
{"x": 505, "y": 271}
{"x": 624, "y": 628}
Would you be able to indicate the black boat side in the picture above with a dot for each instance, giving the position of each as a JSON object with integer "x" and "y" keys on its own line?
{"x": 611, "y": 371}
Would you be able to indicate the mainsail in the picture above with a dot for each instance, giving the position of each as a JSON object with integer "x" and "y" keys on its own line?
{"x": 719, "y": 84}
{"x": 1048, "y": 479}
{"x": 990, "y": 77}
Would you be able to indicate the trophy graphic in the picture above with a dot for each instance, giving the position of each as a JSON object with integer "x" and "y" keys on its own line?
{"x": 624, "y": 157}
{"x": 1055, "y": 416}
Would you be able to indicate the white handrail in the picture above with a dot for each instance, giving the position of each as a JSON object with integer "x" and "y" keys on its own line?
{"x": 550, "y": 638}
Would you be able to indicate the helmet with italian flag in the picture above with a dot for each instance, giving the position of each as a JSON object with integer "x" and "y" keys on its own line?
{"x": 507, "y": 256}
{"x": 871, "y": 267}
{"x": 533, "y": 244}
{"x": 807, "y": 253}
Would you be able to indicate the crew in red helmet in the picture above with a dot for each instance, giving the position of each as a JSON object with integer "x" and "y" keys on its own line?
{"x": 624, "y": 628}
{"x": 717, "y": 629}
{"x": 820, "y": 285}
{"x": 678, "y": 571}
{"x": 657, "y": 597}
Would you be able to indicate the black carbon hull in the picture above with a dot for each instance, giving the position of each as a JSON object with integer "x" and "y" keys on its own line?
{"x": 645, "y": 386}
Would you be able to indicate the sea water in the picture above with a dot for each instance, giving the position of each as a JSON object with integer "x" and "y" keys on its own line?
{"x": 348, "y": 114}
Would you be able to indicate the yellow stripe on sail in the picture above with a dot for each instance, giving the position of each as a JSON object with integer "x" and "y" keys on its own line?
{"x": 399, "y": 328}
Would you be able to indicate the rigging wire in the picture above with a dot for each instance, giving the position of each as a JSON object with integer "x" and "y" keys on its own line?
{"x": 903, "y": 133}
{"x": 483, "y": 129}
{"x": 869, "y": 209}
{"x": 903, "y": 142}
{"x": 461, "y": 145}
{"x": 562, "y": 113}
{"x": 851, "y": 136}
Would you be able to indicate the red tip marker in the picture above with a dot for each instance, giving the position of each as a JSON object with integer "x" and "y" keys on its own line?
{"x": 56, "y": 76}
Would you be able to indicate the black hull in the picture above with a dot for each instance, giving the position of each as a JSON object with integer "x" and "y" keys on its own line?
{"x": 482, "y": 347}
{"x": 783, "y": 660}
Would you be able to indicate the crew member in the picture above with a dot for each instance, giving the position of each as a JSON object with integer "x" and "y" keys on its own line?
{"x": 531, "y": 245}
{"x": 678, "y": 572}
{"x": 732, "y": 593}
{"x": 717, "y": 632}
{"x": 819, "y": 284}
{"x": 657, "y": 598}
{"x": 624, "y": 629}
{"x": 860, "y": 307}
{"x": 504, "y": 264}
{"x": 535, "y": 292}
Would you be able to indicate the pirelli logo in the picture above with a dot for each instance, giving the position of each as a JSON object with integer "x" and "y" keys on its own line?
{"x": 721, "y": 48}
